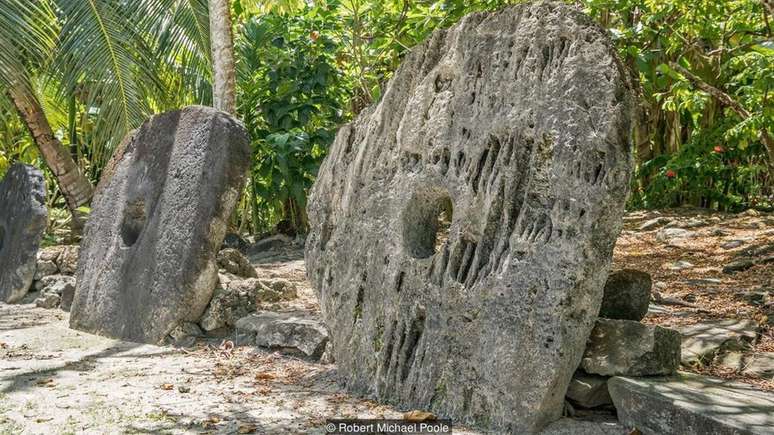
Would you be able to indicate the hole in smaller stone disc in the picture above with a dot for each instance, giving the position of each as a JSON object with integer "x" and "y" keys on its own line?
{"x": 134, "y": 221}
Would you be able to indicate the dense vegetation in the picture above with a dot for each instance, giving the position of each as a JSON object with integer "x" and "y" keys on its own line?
{"x": 706, "y": 70}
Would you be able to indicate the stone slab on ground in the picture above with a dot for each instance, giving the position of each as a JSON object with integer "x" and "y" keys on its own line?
{"x": 23, "y": 220}
{"x": 293, "y": 333}
{"x": 464, "y": 225}
{"x": 701, "y": 341}
{"x": 159, "y": 216}
{"x": 689, "y": 404}
{"x": 626, "y": 347}
{"x": 760, "y": 365}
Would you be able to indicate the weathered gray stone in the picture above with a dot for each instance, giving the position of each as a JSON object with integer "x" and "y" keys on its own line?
{"x": 48, "y": 300}
{"x": 732, "y": 244}
{"x": 690, "y": 223}
{"x": 627, "y": 295}
{"x": 747, "y": 258}
{"x": 228, "y": 305}
{"x": 701, "y": 341}
{"x": 44, "y": 268}
{"x": 588, "y": 391}
{"x": 654, "y": 223}
{"x": 288, "y": 332}
{"x": 62, "y": 286}
{"x": 67, "y": 296}
{"x": 327, "y": 355}
{"x": 50, "y": 253}
{"x": 50, "y": 280}
{"x": 236, "y": 298}
{"x": 625, "y": 347}
{"x": 285, "y": 288}
{"x": 675, "y": 236}
{"x": 759, "y": 296}
{"x": 158, "y": 219}
{"x": 679, "y": 265}
{"x": 269, "y": 244}
{"x": 257, "y": 289}
{"x": 184, "y": 334}
{"x": 236, "y": 263}
{"x": 760, "y": 365}
{"x": 235, "y": 241}
{"x": 57, "y": 283}
{"x": 739, "y": 265}
{"x": 692, "y": 405}
{"x": 23, "y": 220}
{"x": 67, "y": 261}
{"x": 461, "y": 230}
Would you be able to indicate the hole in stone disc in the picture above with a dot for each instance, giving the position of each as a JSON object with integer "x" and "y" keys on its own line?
{"x": 134, "y": 221}
{"x": 426, "y": 223}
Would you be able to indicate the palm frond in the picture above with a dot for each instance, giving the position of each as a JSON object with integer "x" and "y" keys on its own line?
{"x": 100, "y": 61}
{"x": 182, "y": 40}
{"x": 28, "y": 31}
{"x": 253, "y": 7}
{"x": 127, "y": 60}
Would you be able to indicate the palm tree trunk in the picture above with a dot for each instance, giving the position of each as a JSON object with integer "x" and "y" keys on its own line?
{"x": 223, "y": 67}
{"x": 76, "y": 188}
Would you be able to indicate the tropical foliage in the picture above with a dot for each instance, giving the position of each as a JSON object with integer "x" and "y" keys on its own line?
{"x": 100, "y": 67}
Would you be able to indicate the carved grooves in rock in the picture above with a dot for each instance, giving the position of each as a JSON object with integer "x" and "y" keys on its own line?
{"x": 591, "y": 170}
{"x": 402, "y": 344}
{"x": 467, "y": 261}
{"x": 357, "y": 313}
{"x": 442, "y": 159}
{"x": 399, "y": 281}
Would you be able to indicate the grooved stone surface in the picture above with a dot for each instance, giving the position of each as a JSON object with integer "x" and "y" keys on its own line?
{"x": 23, "y": 220}
{"x": 147, "y": 260}
{"x": 462, "y": 229}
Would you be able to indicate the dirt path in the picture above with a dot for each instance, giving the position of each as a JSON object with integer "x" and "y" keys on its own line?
{"x": 56, "y": 380}
{"x": 689, "y": 269}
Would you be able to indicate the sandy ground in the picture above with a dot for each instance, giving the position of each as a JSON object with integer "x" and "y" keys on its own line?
{"x": 56, "y": 380}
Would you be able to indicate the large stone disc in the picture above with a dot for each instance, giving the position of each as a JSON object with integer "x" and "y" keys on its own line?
{"x": 514, "y": 127}
{"x": 23, "y": 220}
{"x": 147, "y": 260}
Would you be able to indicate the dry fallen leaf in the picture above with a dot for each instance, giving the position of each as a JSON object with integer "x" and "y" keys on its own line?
{"x": 166, "y": 386}
{"x": 247, "y": 428}
{"x": 418, "y": 416}
{"x": 264, "y": 376}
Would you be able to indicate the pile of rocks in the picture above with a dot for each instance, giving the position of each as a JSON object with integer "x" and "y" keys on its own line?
{"x": 620, "y": 345}
{"x": 240, "y": 292}
{"x": 238, "y": 308}
{"x": 54, "y": 276}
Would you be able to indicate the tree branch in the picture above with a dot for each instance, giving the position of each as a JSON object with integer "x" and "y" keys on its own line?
{"x": 730, "y": 102}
